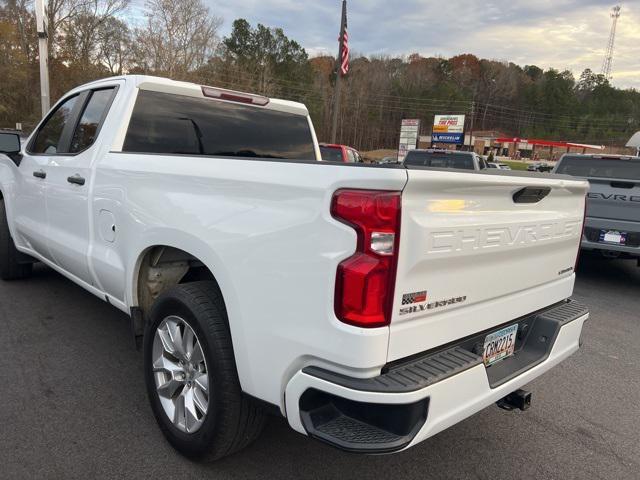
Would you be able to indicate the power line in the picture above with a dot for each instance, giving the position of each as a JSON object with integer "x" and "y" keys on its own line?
{"x": 425, "y": 107}
{"x": 411, "y": 103}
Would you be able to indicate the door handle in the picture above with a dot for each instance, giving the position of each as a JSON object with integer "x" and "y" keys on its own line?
{"x": 40, "y": 174}
{"x": 76, "y": 179}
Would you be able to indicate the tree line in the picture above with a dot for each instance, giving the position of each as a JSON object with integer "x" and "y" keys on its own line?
{"x": 90, "y": 39}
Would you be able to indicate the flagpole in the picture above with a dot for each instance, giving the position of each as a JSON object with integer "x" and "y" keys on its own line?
{"x": 338, "y": 88}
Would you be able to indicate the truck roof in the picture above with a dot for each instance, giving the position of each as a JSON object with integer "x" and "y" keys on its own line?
{"x": 161, "y": 84}
{"x": 442, "y": 150}
{"x": 602, "y": 156}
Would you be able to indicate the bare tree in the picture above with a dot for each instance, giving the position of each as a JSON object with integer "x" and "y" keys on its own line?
{"x": 59, "y": 13}
{"x": 179, "y": 36}
{"x": 114, "y": 45}
{"x": 82, "y": 31}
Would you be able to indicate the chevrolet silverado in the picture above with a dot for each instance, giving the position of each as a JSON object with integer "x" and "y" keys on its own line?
{"x": 372, "y": 306}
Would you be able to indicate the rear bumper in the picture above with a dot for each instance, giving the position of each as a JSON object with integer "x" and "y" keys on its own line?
{"x": 593, "y": 226}
{"x": 415, "y": 400}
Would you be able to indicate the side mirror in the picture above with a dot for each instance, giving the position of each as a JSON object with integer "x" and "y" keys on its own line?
{"x": 9, "y": 143}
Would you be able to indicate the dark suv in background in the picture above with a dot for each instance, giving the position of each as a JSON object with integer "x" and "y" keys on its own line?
{"x": 612, "y": 224}
{"x": 444, "y": 159}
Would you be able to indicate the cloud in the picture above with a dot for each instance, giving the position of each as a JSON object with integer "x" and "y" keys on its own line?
{"x": 563, "y": 34}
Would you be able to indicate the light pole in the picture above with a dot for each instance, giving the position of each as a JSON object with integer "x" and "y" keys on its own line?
{"x": 43, "y": 53}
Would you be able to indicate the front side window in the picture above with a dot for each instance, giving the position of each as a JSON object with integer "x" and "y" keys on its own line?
{"x": 50, "y": 134}
{"x": 87, "y": 128}
{"x": 177, "y": 124}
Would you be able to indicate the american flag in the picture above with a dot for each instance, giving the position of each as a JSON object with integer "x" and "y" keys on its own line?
{"x": 344, "y": 60}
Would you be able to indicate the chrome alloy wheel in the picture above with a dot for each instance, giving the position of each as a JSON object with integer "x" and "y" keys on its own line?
{"x": 180, "y": 373}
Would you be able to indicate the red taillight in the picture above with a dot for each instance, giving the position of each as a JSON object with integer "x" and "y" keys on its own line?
{"x": 366, "y": 280}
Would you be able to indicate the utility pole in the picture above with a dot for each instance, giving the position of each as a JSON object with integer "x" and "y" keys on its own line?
{"x": 339, "y": 74}
{"x": 43, "y": 53}
{"x": 608, "y": 56}
{"x": 473, "y": 116}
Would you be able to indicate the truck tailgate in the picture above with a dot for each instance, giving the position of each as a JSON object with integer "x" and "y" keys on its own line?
{"x": 614, "y": 199}
{"x": 467, "y": 247}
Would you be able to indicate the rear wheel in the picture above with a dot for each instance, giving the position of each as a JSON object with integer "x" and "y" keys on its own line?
{"x": 13, "y": 264}
{"x": 191, "y": 375}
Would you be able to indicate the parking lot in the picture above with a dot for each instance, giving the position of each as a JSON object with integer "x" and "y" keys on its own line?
{"x": 74, "y": 405}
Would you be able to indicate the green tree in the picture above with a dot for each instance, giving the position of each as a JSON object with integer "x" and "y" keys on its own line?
{"x": 267, "y": 56}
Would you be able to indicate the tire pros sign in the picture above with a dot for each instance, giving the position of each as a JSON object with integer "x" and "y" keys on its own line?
{"x": 409, "y": 131}
{"x": 448, "y": 129}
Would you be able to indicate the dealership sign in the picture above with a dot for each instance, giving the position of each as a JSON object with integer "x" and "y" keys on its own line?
{"x": 448, "y": 129}
{"x": 409, "y": 131}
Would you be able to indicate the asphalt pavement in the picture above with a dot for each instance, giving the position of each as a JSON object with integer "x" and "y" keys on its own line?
{"x": 73, "y": 403}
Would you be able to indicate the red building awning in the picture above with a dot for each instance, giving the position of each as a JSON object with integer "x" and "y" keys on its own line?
{"x": 548, "y": 143}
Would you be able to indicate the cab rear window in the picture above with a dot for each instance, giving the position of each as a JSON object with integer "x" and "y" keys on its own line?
{"x": 177, "y": 124}
{"x": 439, "y": 160}
{"x": 331, "y": 154}
{"x": 590, "y": 167}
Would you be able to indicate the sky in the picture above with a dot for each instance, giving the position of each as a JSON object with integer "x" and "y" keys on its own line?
{"x": 563, "y": 34}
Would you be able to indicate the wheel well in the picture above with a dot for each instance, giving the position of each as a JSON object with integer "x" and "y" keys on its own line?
{"x": 162, "y": 267}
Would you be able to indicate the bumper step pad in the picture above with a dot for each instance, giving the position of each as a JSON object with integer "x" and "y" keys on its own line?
{"x": 358, "y": 426}
{"x": 410, "y": 376}
{"x": 353, "y": 431}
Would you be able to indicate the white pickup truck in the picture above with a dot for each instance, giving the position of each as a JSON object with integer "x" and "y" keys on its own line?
{"x": 372, "y": 306}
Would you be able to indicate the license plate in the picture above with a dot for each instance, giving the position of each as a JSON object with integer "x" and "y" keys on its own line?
{"x": 613, "y": 236}
{"x": 500, "y": 345}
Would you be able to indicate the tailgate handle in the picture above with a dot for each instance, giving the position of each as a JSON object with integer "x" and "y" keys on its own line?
{"x": 623, "y": 184}
{"x": 531, "y": 194}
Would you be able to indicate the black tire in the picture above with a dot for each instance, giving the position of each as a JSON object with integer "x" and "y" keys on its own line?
{"x": 12, "y": 264}
{"x": 233, "y": 420}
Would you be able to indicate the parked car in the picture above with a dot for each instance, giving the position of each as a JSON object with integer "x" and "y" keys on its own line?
{"x": 612, "y": 225}
{"x": 540, "y": 167}
{"x": 498, "y": 166}
{"x": 354, "y": 302}
{"x": 534, "y": 167}
{"x": 389, "y": 160}
{"x": 435, "y": 158}
{"x": 339, "y": 153}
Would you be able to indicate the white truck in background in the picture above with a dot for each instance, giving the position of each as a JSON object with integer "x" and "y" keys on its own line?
{"x": 372, "y": 306}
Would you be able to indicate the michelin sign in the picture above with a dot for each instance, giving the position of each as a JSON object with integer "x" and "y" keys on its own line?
{"x": 448, "y": 129}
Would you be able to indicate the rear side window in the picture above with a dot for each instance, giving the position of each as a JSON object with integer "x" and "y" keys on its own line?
{"x": 331, "y": 154}
{"x": 49, "y": 136}
{"x": 439, "y": 160}
{"x": 94, "y": 112}
{"x": 168, "y": 123}
{"x": 600, "y": 168}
